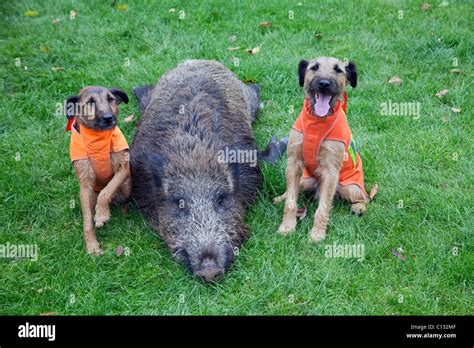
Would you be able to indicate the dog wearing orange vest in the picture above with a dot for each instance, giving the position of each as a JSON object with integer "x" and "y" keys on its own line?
{"x": 321, "y": 151}
{"x": 100, "y": 156}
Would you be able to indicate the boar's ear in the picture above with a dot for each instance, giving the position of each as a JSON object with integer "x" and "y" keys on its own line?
{"x": 157, "y": 166}
{"x": 351, "y": 73}
{"x": 70, "y": 106}
{"x": 302, "y": 66}
{"x": 121, "y": 96}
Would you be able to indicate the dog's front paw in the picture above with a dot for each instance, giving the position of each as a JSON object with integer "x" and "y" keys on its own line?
{"x": 317, "y": 234}
{"x": 93, "y": 247}
{"x": 102, "y": 215}
{"x": 287, "y": 226}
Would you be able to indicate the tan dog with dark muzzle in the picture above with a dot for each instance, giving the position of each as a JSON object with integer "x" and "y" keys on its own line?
{"x": 321, "y": 152}
{"x": 100, "y": 156}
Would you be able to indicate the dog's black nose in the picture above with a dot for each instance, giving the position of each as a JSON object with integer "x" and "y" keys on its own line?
{"x": 108, "y": 117}
{"x": 324, "y": 83}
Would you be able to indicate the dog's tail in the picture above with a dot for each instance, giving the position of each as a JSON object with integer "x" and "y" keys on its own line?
{"x": 274, "y": 150}
{"x": 143, "y": 95}
{"x": 373, "y": 191}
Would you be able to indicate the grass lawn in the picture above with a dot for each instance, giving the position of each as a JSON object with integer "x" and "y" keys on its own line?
{"x": 422, "y": 164}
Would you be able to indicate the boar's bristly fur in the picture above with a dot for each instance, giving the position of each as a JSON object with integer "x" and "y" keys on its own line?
{"x": 194, "y": 199}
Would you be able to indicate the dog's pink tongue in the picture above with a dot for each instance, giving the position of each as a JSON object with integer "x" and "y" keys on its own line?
{"x": 322, "y": 104}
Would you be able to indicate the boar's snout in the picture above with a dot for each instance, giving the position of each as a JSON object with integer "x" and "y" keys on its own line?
{"x": 210, "y": 271}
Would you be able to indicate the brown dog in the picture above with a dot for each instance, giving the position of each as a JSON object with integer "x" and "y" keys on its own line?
{"x": 100, "y": 156}
{"x": 321, "y": 153}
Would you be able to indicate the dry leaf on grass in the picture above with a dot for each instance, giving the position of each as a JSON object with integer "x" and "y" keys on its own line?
{"x": 456, "y": 71}
{"x": 56, "y": 21}
{"x": 129, "y": 119}
{"x": 48, "y": 314}
{"x": 119, "y": 250}
{"x": 233, "y": 48}
{"x": 397, "y": 254}
{"x": 44, "y": 49}
{"x": 57, "y": 68}
{"x": 265, "y": 24}
{"x": 395, "y": 80}
{"x": 31, "y": 13}
{"x": 442, "y": 93}
{"x": 425, "y": 6}
{"x": 122, "y": 7}
{"x": 456, "y": 110}
{"x": 254, "y": 50}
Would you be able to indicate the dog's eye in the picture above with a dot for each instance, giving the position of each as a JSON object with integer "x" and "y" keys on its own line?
{"x": 337, "y": 69}
{"x": 315, "y": 67}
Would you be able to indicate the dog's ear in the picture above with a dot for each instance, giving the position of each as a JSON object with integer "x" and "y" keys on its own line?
{"x": 302, "y": 70}
{"x": 351, "y": 73}
{"x": 71, "y": 106}
{"x": 121, "y": 96}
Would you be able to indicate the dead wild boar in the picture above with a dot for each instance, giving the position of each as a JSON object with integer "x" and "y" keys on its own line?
{"x": 194, "y": 163}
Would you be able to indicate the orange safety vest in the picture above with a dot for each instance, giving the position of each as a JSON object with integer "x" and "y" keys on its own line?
{"x": 97, "y": 145}
{"x": 334, "y": 127}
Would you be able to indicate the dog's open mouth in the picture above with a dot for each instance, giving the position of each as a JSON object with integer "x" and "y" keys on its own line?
{"x": 322, "y": 104}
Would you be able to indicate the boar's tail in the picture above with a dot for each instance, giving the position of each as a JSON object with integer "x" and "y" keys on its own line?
{"x": 273, "y": 152}
{"x": 253, "y": 100}
{"x": 143, "y": 95}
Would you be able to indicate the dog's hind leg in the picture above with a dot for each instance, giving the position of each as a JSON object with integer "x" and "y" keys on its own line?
{"x": 354, "y": 194}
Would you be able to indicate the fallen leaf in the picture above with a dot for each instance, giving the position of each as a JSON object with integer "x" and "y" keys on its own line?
{"x": 119, "y": 250}
{"x": 122, "y": 7}
{"x": 172, "y": 10}
{"x": 57, "y": 68}
{"x": 456, "y": 71}
{"x": 318, "y": 36}
{"x": 254, "y": 50}
{"x": 48, "y": 314}
{"x": 249, "y": 80}
{"x": 129, "y": 119}
{"x": 301, "y": 213}
{"x": 395, "y": 80}
{"x": 397, "y": 254}
{"x": 233, "y": 48}
{"x": 56, "y": 21}
{"x": 373, "y": 191}
{"x": 456, "y": 110}
{"x": 442, "y": 93}
{"x": 425, "y": 6}
{"x": 72, "y": 14}
{"x": 265, "y": 24}
{"x": 31, "y": 13}
{"x": 44, "y": 49}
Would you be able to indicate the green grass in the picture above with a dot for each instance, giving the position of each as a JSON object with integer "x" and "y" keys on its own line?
{"x": 410, "y": 159}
